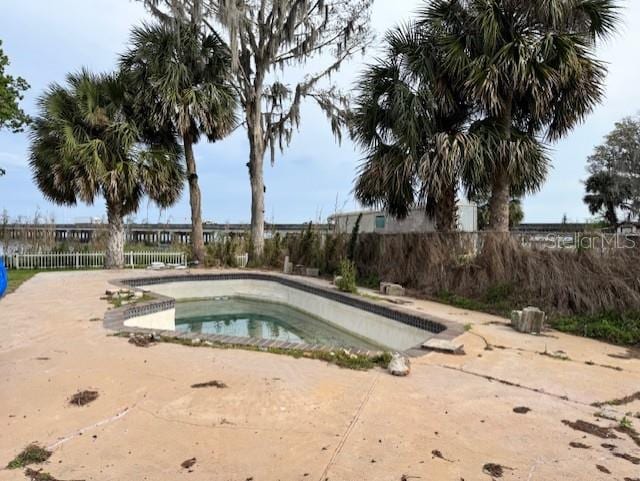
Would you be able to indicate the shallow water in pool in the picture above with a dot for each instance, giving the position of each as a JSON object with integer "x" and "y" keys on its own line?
{"x": 233, "y": 316}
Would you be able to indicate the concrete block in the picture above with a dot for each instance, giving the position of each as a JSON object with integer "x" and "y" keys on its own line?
{"x": 529, "y": 320}
{"x": 445, "y": 346}
{"x": 390, "y": 289}
{"x": 312, "y": 272}
{"x": 288, "y": 266}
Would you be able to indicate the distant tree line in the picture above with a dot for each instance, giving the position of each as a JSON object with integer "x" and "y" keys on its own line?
{"x": 613, "y": 186}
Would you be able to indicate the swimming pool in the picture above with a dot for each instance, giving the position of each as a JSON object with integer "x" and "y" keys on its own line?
{"x": 245, "y": 317}
{"x": 276, "y": 311}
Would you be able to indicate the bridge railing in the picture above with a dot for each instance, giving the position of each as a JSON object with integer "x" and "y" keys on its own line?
{"x": 88, "y": 260}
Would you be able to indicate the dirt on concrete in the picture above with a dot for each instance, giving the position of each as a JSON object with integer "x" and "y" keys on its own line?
{"x": 579, "y": 445}
{"x": 216, "y": 384}
{"x": 494, "y": 470}
{"x": 619, "y": 401}
{"x": 82, "y": 398}
{"x": 437, "y": 454}
{"x": 521, "y": 410}
{"x": 627, "y": 457}
{"x": 188, "y": 464}
{"x": 590, "y": 428}
{"x": 629, "y": 431}
{"x": 40, "y": 475}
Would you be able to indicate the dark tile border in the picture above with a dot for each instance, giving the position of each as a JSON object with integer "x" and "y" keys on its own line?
{"x": 115, "y": 318}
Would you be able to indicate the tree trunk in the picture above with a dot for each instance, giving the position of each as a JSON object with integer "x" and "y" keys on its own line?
{"x": 501, "y": 188}
{"x": 256, "y": 175}
{"x": 447, "y": 210}
{"x": 499, "y": 202}
{"x": 611, "y": 216}
{"x": 115, "y": 243}
{"x": 195, "y": 199}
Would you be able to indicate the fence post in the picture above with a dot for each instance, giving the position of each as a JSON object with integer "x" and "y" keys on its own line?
{"x": 17, "y": 262}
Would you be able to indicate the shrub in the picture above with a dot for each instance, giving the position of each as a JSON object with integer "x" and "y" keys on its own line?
{"x": 347, "y": 280}
{"x": 353, "y": 240}
{"x": 332, "y": 253}
{"x": 32, "y": 454}
{"x": 223, "y": 252}
{"x": 273, "y": 255}
{"x": 615, "y": 327}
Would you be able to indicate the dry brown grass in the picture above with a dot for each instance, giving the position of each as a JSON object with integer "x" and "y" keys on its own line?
{"x": 497, "y": 268}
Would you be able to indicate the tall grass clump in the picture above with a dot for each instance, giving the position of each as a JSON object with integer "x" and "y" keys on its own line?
{"x": 223, "y": 252}
{"x": 495, "y": 272}
{"x": 346, "y": 282}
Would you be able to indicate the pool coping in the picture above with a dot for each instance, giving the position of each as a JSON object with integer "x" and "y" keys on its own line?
{"x": 114, "y": 319}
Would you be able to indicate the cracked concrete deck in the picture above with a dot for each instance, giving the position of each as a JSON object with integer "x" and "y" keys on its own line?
{"x": 297, "y": 419}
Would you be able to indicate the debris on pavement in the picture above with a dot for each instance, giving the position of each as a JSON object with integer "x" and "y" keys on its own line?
{"x": 217, "y": 384}
{"x": 82, "y": 398}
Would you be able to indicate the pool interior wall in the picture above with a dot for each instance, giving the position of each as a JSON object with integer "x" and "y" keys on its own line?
{"x": 260, "y": 319}
{"x": 379, "y": 329}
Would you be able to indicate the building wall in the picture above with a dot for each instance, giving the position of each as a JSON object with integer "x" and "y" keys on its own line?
{"x": 468, "y": 217}
{"x": 417, "y": 221}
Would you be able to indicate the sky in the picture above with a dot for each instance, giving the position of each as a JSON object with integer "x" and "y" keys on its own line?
{"x": 314, "y": 177}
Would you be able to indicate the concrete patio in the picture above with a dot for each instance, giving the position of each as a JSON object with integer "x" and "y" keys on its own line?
{"x": 290, "y": 419}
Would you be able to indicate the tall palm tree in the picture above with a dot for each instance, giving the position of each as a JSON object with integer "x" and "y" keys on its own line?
{"x": 84, "y": 145}
{"x": 181, "y": 75}
{"x": 410, "y": 119}
{"x": 529, "y": 68}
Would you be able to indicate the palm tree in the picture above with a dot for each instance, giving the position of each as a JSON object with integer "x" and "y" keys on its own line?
{"x": 410, "y": 119}
{"x": 606, "y": 193}
{"x": 181, "y": 75}
{"x": 85, "y": 146}
{"x": 530, "y": 71}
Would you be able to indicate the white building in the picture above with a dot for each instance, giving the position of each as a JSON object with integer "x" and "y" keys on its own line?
{"x": 417, "y": 221}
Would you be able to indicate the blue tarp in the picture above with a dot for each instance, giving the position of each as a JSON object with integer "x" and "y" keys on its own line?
{"x": 4, "y": 278}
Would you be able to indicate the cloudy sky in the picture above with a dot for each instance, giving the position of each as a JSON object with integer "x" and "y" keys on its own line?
{"x": 46, "y": 39}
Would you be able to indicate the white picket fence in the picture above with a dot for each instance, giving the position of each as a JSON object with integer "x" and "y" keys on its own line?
{"x": 88, "y": 260}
